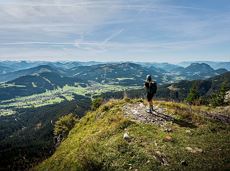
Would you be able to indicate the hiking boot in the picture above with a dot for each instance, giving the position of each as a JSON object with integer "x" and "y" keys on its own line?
{"x": 149, "y": 110}
{"x": 152, "y": 108}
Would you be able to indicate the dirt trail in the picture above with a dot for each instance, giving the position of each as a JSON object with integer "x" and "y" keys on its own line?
{"x": 138, "y": 113}
{"x": 159, "y": 116}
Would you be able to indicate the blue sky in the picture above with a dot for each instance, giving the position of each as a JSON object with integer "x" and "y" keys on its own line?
{"x": 115, "y": 30}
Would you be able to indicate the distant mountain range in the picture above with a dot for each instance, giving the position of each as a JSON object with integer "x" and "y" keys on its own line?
{"x": 165, "y": 66}
{"x": 21, "y": 65}
{"x": 49, "y": 76}
{"x": 198, "y": 71}
{"x": 4, "y": 69}
{"x": 31, "y": 71}
{"x": 11, "y": 70}
{"x": 205, "y": 88}
{"x": 214, "y": 65}
{"x": 34, "y": 80}
{"x": 116, "y": 73}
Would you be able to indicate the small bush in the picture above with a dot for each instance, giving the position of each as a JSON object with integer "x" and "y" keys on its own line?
{"x": 64, "y": 124}
{"x": 96, "y": 103}
{"x": 105, "y": 108}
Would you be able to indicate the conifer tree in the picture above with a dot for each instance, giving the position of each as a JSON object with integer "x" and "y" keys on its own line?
{"x": 193, "y": 95}
{"x": 217, "y": 99}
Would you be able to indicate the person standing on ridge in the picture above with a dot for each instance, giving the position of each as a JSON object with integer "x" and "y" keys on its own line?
{"x": 151, "y": 89}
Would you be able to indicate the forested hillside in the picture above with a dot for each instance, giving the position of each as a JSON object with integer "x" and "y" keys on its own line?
{"x": 26, "y": 137}
{"x": 205, "y": 88}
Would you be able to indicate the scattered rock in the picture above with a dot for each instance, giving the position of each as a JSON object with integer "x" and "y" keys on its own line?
{"x": 161, "y": 157}
{"x": 126, "y": 136}
{"x": 198, "y": 150}
{"x": 184, "y": 163}
{"x": 141, "y": 105}
{"x": 188, "y": 131}
{"x": 194, "y": 150}
{"x": 168, "y": 130}
{"x": 160, "y": 110}
{"x": 168, "y": 138}
{"x": 189, "y": 149}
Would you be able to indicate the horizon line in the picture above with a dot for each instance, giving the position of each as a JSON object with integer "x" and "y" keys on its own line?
{"x": 121, "y": 61}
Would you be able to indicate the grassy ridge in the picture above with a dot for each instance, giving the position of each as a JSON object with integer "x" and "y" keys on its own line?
{"x": 96, "y": 142}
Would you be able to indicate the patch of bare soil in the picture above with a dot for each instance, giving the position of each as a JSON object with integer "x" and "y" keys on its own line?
{"x": 138, "y": 113}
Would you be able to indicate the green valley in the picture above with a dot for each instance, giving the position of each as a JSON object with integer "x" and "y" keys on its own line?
{"x": 59, "y": 95}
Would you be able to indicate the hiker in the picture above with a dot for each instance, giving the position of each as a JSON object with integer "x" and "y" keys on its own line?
{"x": 151, "y": 88}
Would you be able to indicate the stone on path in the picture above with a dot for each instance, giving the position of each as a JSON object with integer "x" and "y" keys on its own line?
{"x": 168, "y": 138}
{"x": 194, "y": 150}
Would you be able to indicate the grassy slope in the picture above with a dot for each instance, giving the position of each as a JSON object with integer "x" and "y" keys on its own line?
{"x": 97, "y": 142}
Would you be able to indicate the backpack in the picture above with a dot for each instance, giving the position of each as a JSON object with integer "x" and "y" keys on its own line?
{"x": 151, "y": 87}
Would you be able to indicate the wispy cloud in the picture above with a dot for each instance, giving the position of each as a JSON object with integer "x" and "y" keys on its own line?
{"x": 115, "y": 34}
{"x": 110, "y": 26}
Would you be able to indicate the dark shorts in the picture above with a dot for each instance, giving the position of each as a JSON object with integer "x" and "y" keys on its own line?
{"x": 149, "y": 96}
